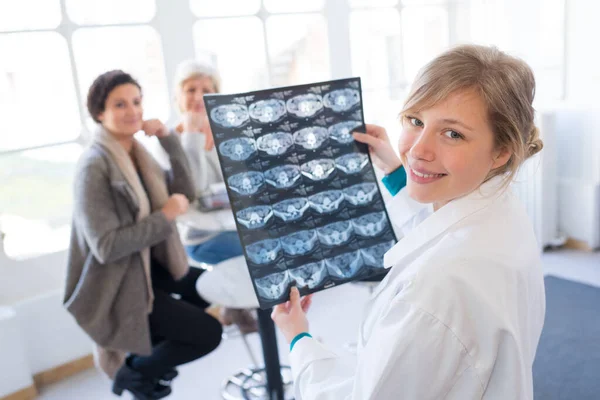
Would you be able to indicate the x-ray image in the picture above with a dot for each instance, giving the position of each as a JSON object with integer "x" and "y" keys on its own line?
{"x": 267, "y": 111}
{"x": 264, "y": 252}
{"x": 352, "y": 163}
{"x": 272, "y": 287}
{"x": 318, "y": 170}
{"x": 305, "y": 105}
{"x": 254, "y": 217}
{"x": 291, "y": 209}
{"x": 371, "y": 224}
{"x": 303, "y": 192}
{"x": 342, "y": 100}
{"x": 283, "y": 176}
{"x": 361, "y": 193}
{"x": 238, "y": 149}
{"x": 311, "y": 138}
{"x": 275, "y": 144}
{"x": 342, "y": 131}
{"x": 335, "y": 234}
{"x": 309, "y": 275}
{"x": 229, "y": 115}
{"x": 373, "y": 256}
{"x": 299, "y": 243}
{"x": 326, "y": 202}
{"x": 246, "y": 183}
{"x": 345, "y": 265}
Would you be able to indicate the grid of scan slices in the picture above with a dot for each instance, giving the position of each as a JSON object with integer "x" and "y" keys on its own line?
{"x": 304, "y": 194}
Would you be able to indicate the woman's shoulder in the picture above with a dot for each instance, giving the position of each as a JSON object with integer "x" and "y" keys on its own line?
{"x": 93, "y": 158}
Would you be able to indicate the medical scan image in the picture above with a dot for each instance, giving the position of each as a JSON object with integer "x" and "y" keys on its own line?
{"x": 345, "y": 265}
{"x": 342, "y": 131}
{"x": 264, "y": 252}
{"x": 309, "y": 275}
{"x": 267, "y": 111}
{"x": 275, "y": 144}
{"x": 230, "y": 115}
{"x": 335, "y": 234}
{"x": 246, "y": 183}
{"x": 326, "y": 202}
{"x": 272, "y": 286}
{"x": 254, "y": 217}
{"x": 302, "y": 191}
{"x": 370, "y": 225}
{"x": 291, "y": 209}
{"x": 352, "y": 163}
{"x": 318, "y": 170}
{"x": 361, "y": 194}
{"x": 341, "y": 100}
{"x": 311, "y": 138}
{"x": 305, "y": 105}
{"x": 299, "y": 243}
{"x": 238, "y": 149}
{"x": 373, "y": 256}
{"x": 283, "y": 177}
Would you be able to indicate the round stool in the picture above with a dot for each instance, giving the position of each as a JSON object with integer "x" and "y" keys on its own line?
{"x": 229, "y": 285}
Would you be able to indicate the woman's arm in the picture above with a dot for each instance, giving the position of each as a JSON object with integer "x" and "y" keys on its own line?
{"x": 409, "y": 355}
{"x": 179, "y": 177}
{"x": 204, "y": 164}
{"x": 96, "y": 214}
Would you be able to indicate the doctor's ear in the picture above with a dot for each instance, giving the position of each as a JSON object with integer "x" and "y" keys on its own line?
{"x": 501, "y": 157}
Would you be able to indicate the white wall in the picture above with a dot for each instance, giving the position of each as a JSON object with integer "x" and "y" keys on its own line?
{"x": 578, "y": 126}
{"x": 14, "y": 368}
{"x": 583, "y": 53}
{"x": 49, "y": 332}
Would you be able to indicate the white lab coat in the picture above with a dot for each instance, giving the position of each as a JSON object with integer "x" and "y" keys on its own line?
{"x": 459, "y": 315}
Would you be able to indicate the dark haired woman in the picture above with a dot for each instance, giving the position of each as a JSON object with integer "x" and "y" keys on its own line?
{"x": 126, "y": 259}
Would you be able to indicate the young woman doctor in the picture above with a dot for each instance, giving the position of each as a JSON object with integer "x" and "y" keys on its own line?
{"x": 460, "y": 314}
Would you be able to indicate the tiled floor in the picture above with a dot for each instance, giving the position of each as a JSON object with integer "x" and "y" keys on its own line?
{"x": 202, "y": 379}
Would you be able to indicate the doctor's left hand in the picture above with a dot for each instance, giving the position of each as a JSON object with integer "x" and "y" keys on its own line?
{"x": 290, "y": 316}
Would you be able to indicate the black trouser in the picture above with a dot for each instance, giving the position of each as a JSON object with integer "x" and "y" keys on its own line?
{"x": 181, "y": 330}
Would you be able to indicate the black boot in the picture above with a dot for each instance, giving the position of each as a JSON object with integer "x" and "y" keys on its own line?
{"x": 167, "y": 377}
{"x": 142, "y": 387}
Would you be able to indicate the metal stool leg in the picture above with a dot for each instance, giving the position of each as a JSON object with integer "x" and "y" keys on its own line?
{"x": 252, "y": 383}
{"x": 249, "y": 350}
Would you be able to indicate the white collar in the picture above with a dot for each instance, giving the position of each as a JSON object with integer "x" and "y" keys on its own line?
{"x": 441, "y": 220}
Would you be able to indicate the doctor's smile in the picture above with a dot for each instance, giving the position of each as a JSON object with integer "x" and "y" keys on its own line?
{"x": 423, "y": 176}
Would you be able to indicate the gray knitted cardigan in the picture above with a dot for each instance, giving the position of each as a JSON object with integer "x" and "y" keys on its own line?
{"x": 105, "y": 286}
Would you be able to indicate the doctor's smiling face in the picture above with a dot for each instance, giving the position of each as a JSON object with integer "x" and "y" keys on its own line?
{"x": 448, "y": 149}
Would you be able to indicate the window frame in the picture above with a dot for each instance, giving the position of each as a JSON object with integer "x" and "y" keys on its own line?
{"x": 336, "y": 14}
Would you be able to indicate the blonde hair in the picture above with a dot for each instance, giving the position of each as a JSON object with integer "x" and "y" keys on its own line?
{"x": 189, "y": 69}
{"x": 506, "y": 85}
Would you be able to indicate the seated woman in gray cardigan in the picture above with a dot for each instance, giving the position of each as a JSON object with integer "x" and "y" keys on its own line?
{"x": 126, "y": 258}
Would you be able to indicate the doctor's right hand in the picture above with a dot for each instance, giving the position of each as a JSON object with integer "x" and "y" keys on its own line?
{"x": 176, "y": 205}
{"x": 290, "y": 317}
{"x": 382, "y": 152}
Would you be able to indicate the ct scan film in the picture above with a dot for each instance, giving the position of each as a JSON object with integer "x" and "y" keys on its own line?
{"x": 304, "y": 194}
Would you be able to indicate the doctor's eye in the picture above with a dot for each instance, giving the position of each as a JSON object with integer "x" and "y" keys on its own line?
{"x": 415, "y": 121}
{"x": 453, "y": 135}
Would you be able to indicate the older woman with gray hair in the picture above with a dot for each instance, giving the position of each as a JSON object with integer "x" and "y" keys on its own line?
{"x": 192, "y": 81}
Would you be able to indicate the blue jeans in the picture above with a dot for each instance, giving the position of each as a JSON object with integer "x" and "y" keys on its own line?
{"x": 222, "y": 247}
